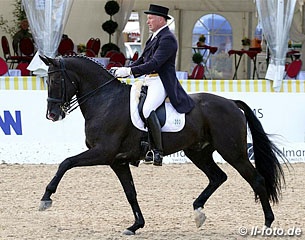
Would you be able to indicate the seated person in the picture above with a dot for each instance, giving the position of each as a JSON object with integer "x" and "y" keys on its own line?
{"x": 22, "y": 33}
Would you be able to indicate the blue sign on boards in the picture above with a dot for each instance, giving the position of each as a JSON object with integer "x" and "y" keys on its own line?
{"x": 7, "y": 121}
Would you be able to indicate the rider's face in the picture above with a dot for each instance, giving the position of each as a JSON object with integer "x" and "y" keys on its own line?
{"x": 155, "y": 22}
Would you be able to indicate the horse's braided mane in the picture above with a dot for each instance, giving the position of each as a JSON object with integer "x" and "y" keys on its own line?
{"x": 94, "y": 61}
{"x": 87, "y": 58}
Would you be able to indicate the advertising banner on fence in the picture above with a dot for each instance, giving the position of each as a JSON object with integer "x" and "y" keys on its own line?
{"x": 26, "y": 135}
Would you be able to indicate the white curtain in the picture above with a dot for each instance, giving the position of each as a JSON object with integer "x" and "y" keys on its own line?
{"x": 143, "y": 27}
{"x": 126, "y": 7}
{"x": 47, "y": 19}
{"x": 276, "y": 17}
{"x": 301, "y": 3}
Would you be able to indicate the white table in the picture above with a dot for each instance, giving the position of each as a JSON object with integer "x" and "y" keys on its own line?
{"x": 103, "y": 61}
{"x": 13, "y": 72}
{"x": 181, "y": 75}
{"x": 301, "y": 75}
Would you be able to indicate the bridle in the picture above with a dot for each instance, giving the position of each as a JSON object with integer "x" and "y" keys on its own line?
{"x": 69, "y": 105}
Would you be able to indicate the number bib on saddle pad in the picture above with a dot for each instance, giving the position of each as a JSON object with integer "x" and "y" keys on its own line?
{"x": 174, "y": 121}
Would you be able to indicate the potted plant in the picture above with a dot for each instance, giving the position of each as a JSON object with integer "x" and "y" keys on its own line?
{"x": 197, "y": 58}
{"x": 201, "y": 41}
{"x": 81, "y": 48}
{"x": 108, "y": 47}
{"x": 111, "y": 7}
{"x": 198, "y": 70}
{"x": 246, "y": 43}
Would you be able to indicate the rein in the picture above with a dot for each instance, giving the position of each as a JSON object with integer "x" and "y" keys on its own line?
{"x": 78, "y": 101}
{"x": 68, "y": 106}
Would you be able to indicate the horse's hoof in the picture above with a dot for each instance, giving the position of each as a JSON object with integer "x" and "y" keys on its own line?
{"x": 268, "y": 223}
{"x": 199, "y": 217}
{"x": 128, "y": 232}
{"x": 44, "y": 205}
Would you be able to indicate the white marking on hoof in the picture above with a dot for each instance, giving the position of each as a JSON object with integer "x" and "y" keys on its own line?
{"x": 44, "y": 205}
{"x": 199, "y": 217}
{"x": 147, "y": 162}
{"x": 128, "y": 232}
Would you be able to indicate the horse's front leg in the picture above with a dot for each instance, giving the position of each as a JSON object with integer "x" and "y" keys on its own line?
{"x": 125, "y": 177}
{"x": 88, "y": 158}
{"x": 46, "y": 201}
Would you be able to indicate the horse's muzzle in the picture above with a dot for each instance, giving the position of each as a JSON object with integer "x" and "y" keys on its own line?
{"x": 51, "y": 116}
{"x": 55, "y": 116}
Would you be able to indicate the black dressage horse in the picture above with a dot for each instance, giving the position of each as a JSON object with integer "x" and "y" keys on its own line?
{"x": 215, "y": 124}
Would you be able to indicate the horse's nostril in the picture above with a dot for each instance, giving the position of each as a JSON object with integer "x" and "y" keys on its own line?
{"x": 51, "y": 116}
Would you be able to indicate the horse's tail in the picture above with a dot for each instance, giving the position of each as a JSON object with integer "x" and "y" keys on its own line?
{"x": 265, "y": 152}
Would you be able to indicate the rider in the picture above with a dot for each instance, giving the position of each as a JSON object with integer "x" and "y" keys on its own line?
{"x": 157, "y": 63}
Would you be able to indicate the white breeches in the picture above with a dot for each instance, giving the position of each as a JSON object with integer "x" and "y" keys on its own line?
{"x": 155, "y": 95}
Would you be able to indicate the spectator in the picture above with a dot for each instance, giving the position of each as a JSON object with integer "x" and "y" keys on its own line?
{"x": 22, "y": 33}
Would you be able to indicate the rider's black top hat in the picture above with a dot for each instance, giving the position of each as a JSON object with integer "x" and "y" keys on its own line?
{"x": 158, "y": 10}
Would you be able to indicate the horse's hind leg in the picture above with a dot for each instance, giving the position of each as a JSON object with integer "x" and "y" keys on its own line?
{"x": 204, "y": 160}
{"x": 236, "y": 155}
{"x": 125, "y": 177}
{"x": 257, "y": 182}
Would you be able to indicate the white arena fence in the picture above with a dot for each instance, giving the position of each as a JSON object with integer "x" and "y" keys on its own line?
{"x": 26, "y": 136}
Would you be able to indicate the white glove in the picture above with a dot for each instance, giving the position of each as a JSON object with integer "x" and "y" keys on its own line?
{"x": 122, "y": 72}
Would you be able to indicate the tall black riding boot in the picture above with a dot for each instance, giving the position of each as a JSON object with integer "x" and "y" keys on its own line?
{"x": 154, "y": 128}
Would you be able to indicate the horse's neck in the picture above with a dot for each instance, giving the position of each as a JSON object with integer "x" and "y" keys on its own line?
{"x": 94, "y": 81}
{"x": 109, "y": 97}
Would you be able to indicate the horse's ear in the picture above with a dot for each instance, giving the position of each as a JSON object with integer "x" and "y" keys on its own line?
{"x": 48, "y": 61}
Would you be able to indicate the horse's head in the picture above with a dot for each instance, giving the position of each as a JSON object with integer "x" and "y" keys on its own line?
{"x": 61, "y": 88}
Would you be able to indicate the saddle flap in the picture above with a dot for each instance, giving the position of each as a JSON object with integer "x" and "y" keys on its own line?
{"x": 160, "y": 111}
{"x": 174, "y": 121}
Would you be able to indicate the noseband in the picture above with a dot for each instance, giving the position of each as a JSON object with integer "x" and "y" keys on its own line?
{"x": 69, "y": 105}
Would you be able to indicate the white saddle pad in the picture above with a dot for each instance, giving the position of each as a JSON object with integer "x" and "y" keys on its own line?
{"x": 174, "y": 121}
